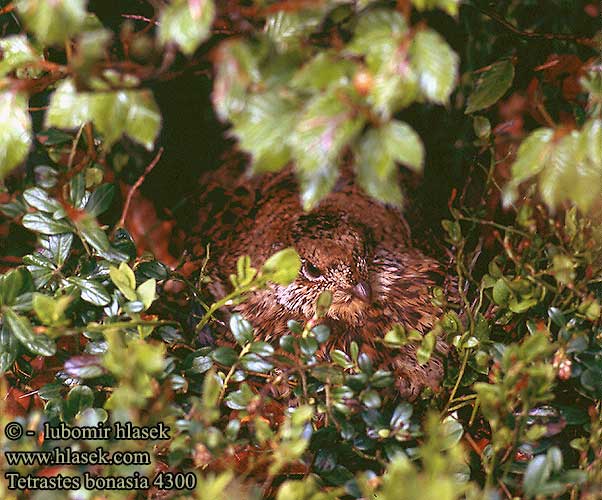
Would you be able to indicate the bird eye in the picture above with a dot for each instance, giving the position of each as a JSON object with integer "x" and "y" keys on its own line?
{"x": 310, "y": 271}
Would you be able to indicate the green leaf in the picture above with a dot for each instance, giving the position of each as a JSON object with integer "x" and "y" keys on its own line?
{"x": 592, "y": 132}
{"x": 491, "y": 86}
{"x": 564, "y": 269}
{"x": 531, "y": 158}
{"x": 451, "y": 433}
{"x": 237, "y": 67}
{"x": 91, "y": 291}
{"x": 255, "y": 363}
{"x": 92, "y": 234}
{"x": 401, "y": 415}
{"x": 100, "y": 199}
{"x": 241, "y": 329}
{"x": 79, "y": 398}
{"x": 131, "y": 112}
{"x": 67, "y": 109}
{"x": 42, "y": 223}
{"x": 238, "y": 400}
{"x": 259, "y": 130}
{"x": 287, "y": 29}
{"x": 317, "y": 184}
{"x": 324, "y": 70}
{"x": 324, "y": 128}
{"x": 501, "y": 292}
{"x": 15, "y": 133}
{"x": 379, "y": 149}
{"x": 436, "y": 65}
{"x": 54, "y": 22}
{"x": 449, "y": 6}
{"x": 147, "y": 292}
{"x": 262, "y": 348}
{"x": 424, "y": 352}
{"x": 371, "y": 399}
{"x": 394, "y": 86}
{"x": 21, "y": 328}
{"x": 225, "y": 356}
{"x": 59, "y": 246}
{"x": 569, "y": 175}
{"x": 9, "y": 349}
{"x": 39, "y": 199}
{"x": 16, "y": 51}
{"x": 308, "y": 345}
{"x": 536, "y": 476}
{"x": 13, "y": 284}
{"x": 50, "y": 311}
{"x": 282, "y": 267}
{"x": 187, "y": 24}
{"x": 377, "y": 35}
{"x": 143, "y": 121}
{"x": 340, "y": 358}
{"x": 124, "y": 279}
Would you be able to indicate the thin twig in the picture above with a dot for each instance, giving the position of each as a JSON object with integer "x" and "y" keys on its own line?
{"x": 137, "y": 184}
{"x": 141, "y": 18}
{"x": 533, "y": 35}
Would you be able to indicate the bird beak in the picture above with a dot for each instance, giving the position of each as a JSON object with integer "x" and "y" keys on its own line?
{"x": 363, "y": 292}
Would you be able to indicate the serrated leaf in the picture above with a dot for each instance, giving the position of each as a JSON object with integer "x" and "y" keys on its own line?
{"x": 315, "y": 186}
{"x": 287, "y": 29}
{"x": 52, "y": 22}
{"x": 592, "y": 132}
{"x": 436, "y": 65}
{"x": 532, "y": 155}
{"x": 324, "y": 70}
{"x": 491, "y": 85}
{"x": 16, "y": 51}
{"x": 237, "y": 66}
{"x": 131, "y": 112}
{"x": 143, "y": 121}
{"x": 67, "y": 108}
{"x": 394, "y": 86}
{"x": 42, "y": 223}
{"x": 15, "y": 133}
{"x": 377, "y": 35}
{"x": 187, "y": 24}
{"x": 258, "y": 130}
{"x": 91, "y": 291}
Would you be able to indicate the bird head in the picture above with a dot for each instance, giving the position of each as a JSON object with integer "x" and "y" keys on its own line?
{"x": 335, "y": 254}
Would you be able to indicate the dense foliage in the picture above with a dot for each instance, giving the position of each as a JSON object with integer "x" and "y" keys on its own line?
{"x": 500, "y": 107}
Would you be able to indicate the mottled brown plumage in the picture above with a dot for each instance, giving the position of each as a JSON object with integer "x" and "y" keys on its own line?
{"x": 351, "y": 245}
